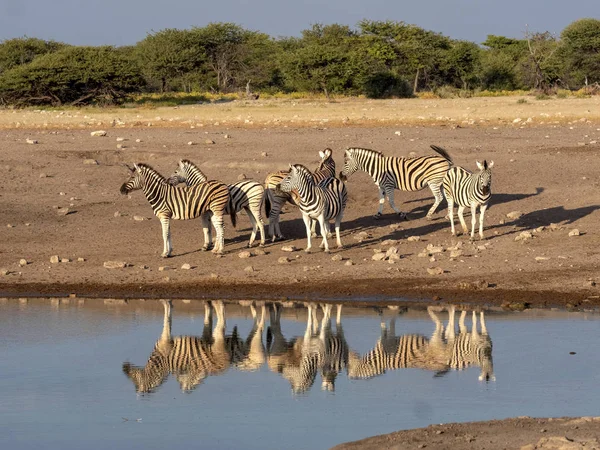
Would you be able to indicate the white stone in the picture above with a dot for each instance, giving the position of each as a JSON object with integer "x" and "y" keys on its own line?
{"x": 115, "y": 264}
{"x": 186, "y": 266}
{"x": 90, "y": 162}
{"x": 435, "y": 270}
{"x": 138, "y": 218}
{"x": 524, "y": 235}
{"x": 513, "y": 215}
{"x": 378, "y": 256}
{"x": 337, "y": 257}
{"x": 288, "y": 248}
{"x": 98, "y": 133}
{"x": 54, "y": 259}
{"x": 245, "y": 254}
{"x": 23, "y": 262}
{"x": 413, "y": 238}
{"x": 31, "y": 141}
{"x": 283, "y": 260}
{"x": 574, "y": 232}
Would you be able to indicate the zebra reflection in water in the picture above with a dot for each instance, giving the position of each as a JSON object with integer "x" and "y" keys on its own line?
{"x": 299, "y": 359}
{"x": 192, "y": 358}
{"x": 444, "y": 351}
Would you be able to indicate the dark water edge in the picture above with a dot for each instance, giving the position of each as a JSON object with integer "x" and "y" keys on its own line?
{"x": 64, "y": 385}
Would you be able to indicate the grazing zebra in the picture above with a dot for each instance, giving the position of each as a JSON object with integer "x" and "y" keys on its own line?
{"x": 406, "y": 174}
{"x": 191, "y": 359}
{"x": 323, "y": 202}
{"x": 275, "y": 198}
{"x": 246, "y": 194}
{"x": 206, "y": 200}
{"x": 469, "y": 189}
{"x": 394, "y": 352}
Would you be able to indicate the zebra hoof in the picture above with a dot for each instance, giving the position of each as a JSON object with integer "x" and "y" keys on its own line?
{"x": 261, "y": 245}
{"x": 166, "y": 255}
{"x": 402, "y": 216}
{"x": 377, "y": 216}
{"x": 307, "y": 250}
{"x": 327, "y": 251}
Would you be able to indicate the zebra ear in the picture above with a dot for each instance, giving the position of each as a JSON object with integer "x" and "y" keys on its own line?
{"x": 347, "y": 152}
{"x": 291, "y": 167}
{"x": 479, "y": 165}
{"x": 321, "y": 154}
{"x": 490, "y": 164}
{"x": 136, "y": 167}
{"x": 326, "y": 152}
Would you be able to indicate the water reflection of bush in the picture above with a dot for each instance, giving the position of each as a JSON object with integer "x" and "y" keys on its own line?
{"x": 321, "y": 350}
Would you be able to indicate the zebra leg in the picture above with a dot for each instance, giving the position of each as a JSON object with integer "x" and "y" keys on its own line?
{"x": 217, "y": 222}
{"x": 254, "y": 226}
{"x": 324, "y": 230}
{"x": 437, "y": 194}
{"x": 451, "y": 214}
{"x": 473, "y": 220}
{"x": 274, "y": 230}
{"x": 207, "y": 232}
{"x": 461, "y": 322}
{"x": 260, "y": 223}
{"x": 390, "y": 195}
{"x": 166, "y": 232}
{"x": 482, "y": 209}
{"x": 338, "y": 223}
{"x": 381, "y": 202}
{"x": 306, "y": 219}
{"x": 461, "y": 210}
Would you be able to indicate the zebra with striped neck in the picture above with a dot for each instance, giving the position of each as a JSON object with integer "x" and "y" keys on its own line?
{"x": 276, "y": 199}
{"x": 190, "y": 358}
{"x": 406, "y": 174}
{"x": 323, "y": 202}
{"x": 246, "y": 194}
{"x": 206, "y": 200}
{"x": 469, "y": 189}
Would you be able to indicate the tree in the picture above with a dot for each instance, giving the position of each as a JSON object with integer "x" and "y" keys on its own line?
{"x": 18, "y": 51}
{"x": 499, "y": 63}
{"x": 464, "y": 60}
{"x": 169, "y": 54}
{"x": 73, "y": 75}
{"x": 539, "y": 67}
{"x": 580, "y": 49}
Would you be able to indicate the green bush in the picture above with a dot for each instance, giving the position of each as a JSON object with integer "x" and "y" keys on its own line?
{"x": 386, "y": 85}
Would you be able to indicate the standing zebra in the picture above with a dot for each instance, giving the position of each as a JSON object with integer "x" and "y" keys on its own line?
{"x": 207, "y": 200}
{"x": 246, "y": 194}
{"x": 249, "y": 354}
{"x": 469, "y": 189}
{"x": 191, "y": 359}
{"x": 335, "y": 357}
{"x": 406, "y": 174}
{"x": 275, "y": 199}
{"x": 323, "y": 202}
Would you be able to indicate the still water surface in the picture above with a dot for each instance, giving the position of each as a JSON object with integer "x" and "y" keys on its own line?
{"x": 95, "y": 375}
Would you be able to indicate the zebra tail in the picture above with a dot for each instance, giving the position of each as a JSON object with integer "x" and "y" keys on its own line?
{"x": 442, "y": 152}
{"x": 232, "y": 214}
{"x": 267, "y": 203}
{"x": 269, "y": 338}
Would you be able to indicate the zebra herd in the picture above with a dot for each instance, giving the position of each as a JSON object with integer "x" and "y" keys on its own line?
{"x": 299, "y": 360}
{"x": 320, "y": 195}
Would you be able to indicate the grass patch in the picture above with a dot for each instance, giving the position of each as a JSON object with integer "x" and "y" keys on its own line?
{"x": 522, "y": 100}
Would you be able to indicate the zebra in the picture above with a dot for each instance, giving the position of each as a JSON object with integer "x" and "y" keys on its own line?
{"x": 469, "y": 189}
{"x": 275, "y": 199}
{"x": 406, "y": 174}
{"x": 394, "y": 352}
{"x": 245, "y": 194}
{"x": 322, "y": 202}
{"x": 249, "y": 354}
{"x": 335, "y": 357}
{"x": 190, "y": 358}
{"x": 207, "y": 200}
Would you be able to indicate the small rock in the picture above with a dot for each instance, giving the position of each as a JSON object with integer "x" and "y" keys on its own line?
{"x": 245, "y": 254}
{"x": 540, "y": 229}
{"x": 138, "y": 218}
{"x": 514, "y": 215}
{"x": 9, "y": 225}
{"x": 398, "y": 133}
{"x": 226, "y": 136}
{"x": 43, "y": 175}
{"x": 4, "y": 271}
{"x": 395, "y": 226}
{"x": 209, "y": 141}
{"x": 574, "y": 232}
{"x": 523, "y": 236}
{"x": 433, "y": 249}
{"x": 517, "y": 120}
{"x": 391, "y": 251}
{"x": 98, "y": 133}
{"x": 435, "y": 270}
{"x": 23, "y": 262}
{"x": 80, "y": 259}
{"x": 241, "y": 176}
{"x": 389, "y": 242}
{"x": 283, "y": 260}
{"x": 248, "y": 269}
{"x": 191, "y": 143}
{"x": 264, "y": 154}
{"x": 481, "y": 247}
{"x": 121, "y": 146}
{"x": 117, "y": 214}
{"x": 163, "y": 268}
{"x": 378, "y": 256}
{"x": 65, "y": 260}
{"x": 456, "y": 253}
{"x": 90, "y": 162}
{"x": 260, "y": 252}
{"x": 186, "y": 266}
{"x": 337, "y": 257}
{"x": 413, "y": 238}
{"x": 120, "y": 139}
{"x": 31, "y": 141}
{"x": 54, "y": 259}
{"x": 63, "y": 211}
{"x": 423, "y": 254}
{"x": 138, "y": 140}
{"x": 214, "y": 275}
{"x": 144, "y": 267}
{"x": 395, "y": 257}
{"x": 590, "y": 283}
{"x": 541, "y": 258}
{"x": 288, "y": 248}
{"x": 115, "y": 264}
{"x": 349, "y": 263}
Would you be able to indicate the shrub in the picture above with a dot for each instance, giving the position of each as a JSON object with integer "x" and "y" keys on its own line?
{"x": 386, "y": 85}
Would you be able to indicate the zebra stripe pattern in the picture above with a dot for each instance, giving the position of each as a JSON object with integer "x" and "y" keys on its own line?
{"x": 191, "y": 359}
{"x": 169, "y": 202}
{"x": 406, "y": 174}
{"x": 246, "y": 194}
{"x": 275, "y": 199}
{"x": 469, "y": 189}
{"x": 335, "y": 358}
{"x": 323, "y": 202}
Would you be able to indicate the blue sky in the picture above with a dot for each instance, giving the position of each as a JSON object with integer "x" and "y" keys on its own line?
{"x": 124, "y": 22}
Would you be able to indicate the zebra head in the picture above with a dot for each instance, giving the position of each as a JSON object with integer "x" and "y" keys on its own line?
{"x": 350, "y": 164}
{"x": 327, "y": 161}
{"x": 145, "y": 381}
{"x": 180, "y": 175}
{"x": 297, "y": 177}
{"x": 485, "y": 176}
{"x": 135, "y": 181}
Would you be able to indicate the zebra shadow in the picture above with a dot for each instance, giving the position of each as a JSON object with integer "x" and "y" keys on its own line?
{"x": 446, "y": 350}
{"x": 191, "y": 359}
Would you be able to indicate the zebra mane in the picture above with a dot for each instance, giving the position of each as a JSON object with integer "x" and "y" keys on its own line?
{"x": 305, "y": 171}
{"x": 364, "y": 151}
{"x": 187, "y": 162}
{"x": 149, "y": 170}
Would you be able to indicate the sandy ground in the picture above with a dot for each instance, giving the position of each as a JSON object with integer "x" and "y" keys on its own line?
{"x": 546, "y": 168}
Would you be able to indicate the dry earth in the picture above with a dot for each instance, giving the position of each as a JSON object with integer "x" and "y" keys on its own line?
{"x": 546, "y": 167}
